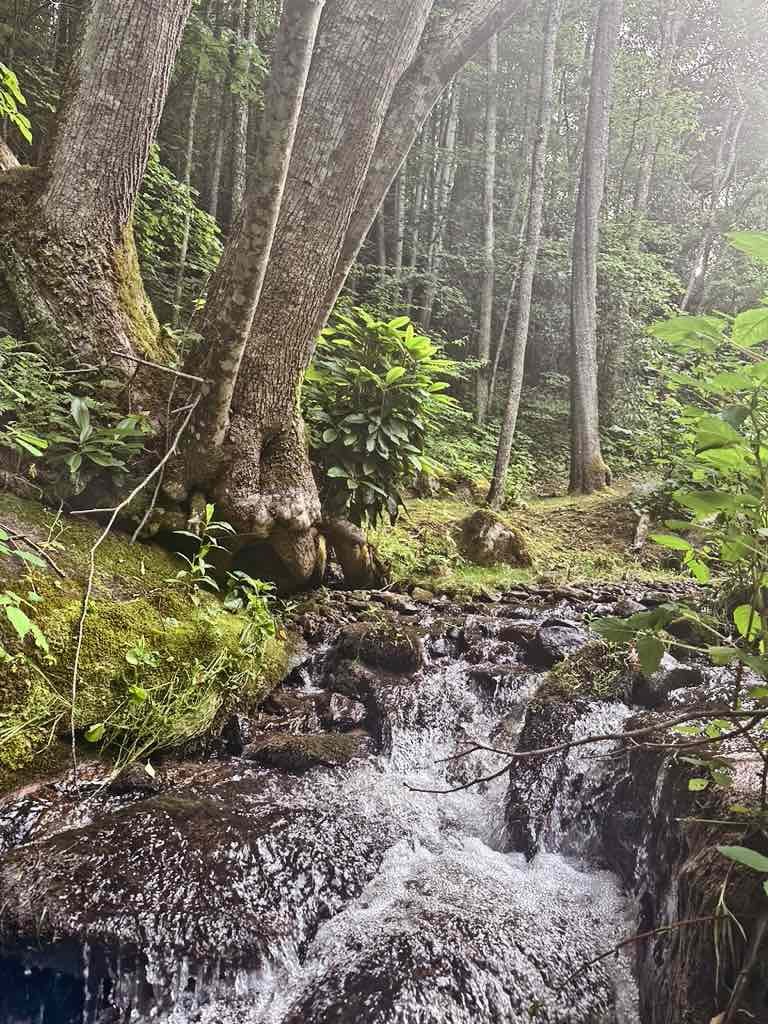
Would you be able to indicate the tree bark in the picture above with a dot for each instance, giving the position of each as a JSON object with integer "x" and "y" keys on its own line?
{"x": 66, "y": 244}
{"x": 240, "y": 117}
{"x": 415, "y": 239}
{"x": 381, "y": 251}
{"x": 444, "y": 178}
{"x": 399, "y": 221}
{"x": 489, "y": 235}
{"x": 537, "y": 189}
{"x": 588, "y": 470}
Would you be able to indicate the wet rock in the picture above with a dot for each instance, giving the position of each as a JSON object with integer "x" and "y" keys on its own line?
{"x": 671, "y": 675}
{"x": 287, "y": 752}
{"x": 341, "y": 712}
{"x": 221, "y": 878}
{"x": 422, "y": 595}
{"x": 626, "y": 607}
{"x": 552, "y": 644}
{"x": 486, "y": 540}
{"x": 386, "y": 644}
{"x": 237, "y": 733}
{"x": 521, "y": 632}
{"x": 135, "y": 780}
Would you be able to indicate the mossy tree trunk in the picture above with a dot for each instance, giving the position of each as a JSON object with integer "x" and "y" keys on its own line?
{"x": 376, "y": 73}
{"x": 66, "y": 242}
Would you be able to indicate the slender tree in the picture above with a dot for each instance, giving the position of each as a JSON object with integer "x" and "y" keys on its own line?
{"x": 489, "y": 234}
{"x": 535, "y": 222}
{"x": 588, "y": 470}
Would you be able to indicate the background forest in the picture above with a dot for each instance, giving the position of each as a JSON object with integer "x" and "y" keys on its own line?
{"x": 451, "y": 246}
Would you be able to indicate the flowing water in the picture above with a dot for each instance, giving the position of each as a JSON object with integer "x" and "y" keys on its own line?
{"x": 344, "y": 895}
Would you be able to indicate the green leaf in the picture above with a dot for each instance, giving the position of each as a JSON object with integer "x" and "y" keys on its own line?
{"x": 700, "y": 333}
{"x": 394, "y": 374}
{"x": 743, "y": 855}
{"x": 95, "y": 733}
{"x": 729, "y": 382}
{"x": 706, "y": 503}
{"x": 82, "y": 417}
{"x": 753, "y": 243}
{"x": 138, "y": 694}
{"x": 668, "y": 540}
{"x": 337, "y": 473}
{"x": 650, "y": 651}
{"x": 722, "y": 655}
{"x": 747, "y": 621}
{"x": 329, "y": 436}
{"x": 19, "y": 620}
{"x": 697, "y": 785}
{"x": 698, "y": 569}
{"x": 751, "y": 328}
{"x": 399, "y": 322}
{"x": 722, "y": 778}
{"x": 714, "y": 432}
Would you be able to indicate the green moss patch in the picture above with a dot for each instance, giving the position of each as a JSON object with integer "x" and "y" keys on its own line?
{"x": 156, "y": 670}
{"x": 570, "y": 539}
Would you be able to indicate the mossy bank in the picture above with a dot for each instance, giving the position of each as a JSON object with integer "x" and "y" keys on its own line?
{"x": 159, "y": 666}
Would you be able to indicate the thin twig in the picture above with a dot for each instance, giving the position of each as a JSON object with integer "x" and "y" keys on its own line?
{"x": 561, "y": 748}
{"x": 635, "y": 938}
{"x": 92, "y": 571}
{"x": 16, "y": 537}
{"x": 739, "y": 989}
{"x": 159, "y": 366}
{"x": 159, "y": 484}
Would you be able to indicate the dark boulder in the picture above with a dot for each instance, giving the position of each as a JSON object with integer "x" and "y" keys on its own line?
{"x": 671, "y": 675}
{"x": 555, "y": 643}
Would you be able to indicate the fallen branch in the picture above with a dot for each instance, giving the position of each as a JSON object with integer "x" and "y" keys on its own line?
{"x": 740, "y": 988}
{"x": 636, "y": 938}
{"x": 15, "y": 538}
{"x": 92, "y": 571}
{"x": 560, "y": 748}
{"x": 159, "y": 366}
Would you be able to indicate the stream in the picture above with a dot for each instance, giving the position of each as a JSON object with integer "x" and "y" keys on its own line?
{"x": 239, "y": 892}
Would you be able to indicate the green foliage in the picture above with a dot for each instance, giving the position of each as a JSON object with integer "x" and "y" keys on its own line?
{"x": 56, "y": 418}
{"x": 160, "y": 216}
{"x": 374, "y": 390}
{"x": 11, "y": 99}
{"x": 721, "y": 522}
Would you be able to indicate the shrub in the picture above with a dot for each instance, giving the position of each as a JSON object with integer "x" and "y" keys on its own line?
{"x": 373, "y": 392}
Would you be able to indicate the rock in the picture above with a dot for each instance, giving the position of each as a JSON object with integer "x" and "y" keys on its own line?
{"x": 671, "y": 675}
{"x": 520, "y": 632}
{"x": 237, "y": 733}
{"x": 552, "y": 644}
{"x": 486, "y": 540}
{"x": 221, "y": 877}
{"x": 627, "y": 606}
{"x": 385, "y": 644}
{"x": 287, "y": 752}
{"x": 135, "y": 779}
{"x": 341, "y": 712}
{"x": 422, "y": 595}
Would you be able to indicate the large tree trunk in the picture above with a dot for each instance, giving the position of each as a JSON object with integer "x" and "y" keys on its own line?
{"x": 537, "y": 188}
{"x": 588, "y": 470}
{"x": 66, "y": 244}
{"x": 489, "y": 235}
{"x": 442, "y": 192}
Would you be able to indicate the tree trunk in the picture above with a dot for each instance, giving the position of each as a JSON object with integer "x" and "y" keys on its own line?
{"x": 530, "y": 255}
{"x": 240, "y": 122}
{"x": 489, "y": 235}
{"x": 399, "y": 219}
{"x": 66, "y": 244}
{"x": 588, "y": 470}
{"x": 189, "y": 156}
{"x": 445, "y": 172}
{"x": 381, "y": 252}
{"x": 673, "y": 24}
{"x": 418, "y": 212}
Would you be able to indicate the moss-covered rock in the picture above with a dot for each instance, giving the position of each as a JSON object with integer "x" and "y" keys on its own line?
{"x": 486, "y": 540}
{"x": 297, "y": 754}
{"x": 155, "y": 668}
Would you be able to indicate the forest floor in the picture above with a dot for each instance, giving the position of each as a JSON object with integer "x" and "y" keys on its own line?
{"x": 570, "y": 539}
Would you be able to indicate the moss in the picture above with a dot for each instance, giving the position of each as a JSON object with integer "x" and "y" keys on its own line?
{"x": 570, "y": 539}
{"x": 594, "y": 672}
{"x": 188, "y": 660}
{"x": 145, "y": 329}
